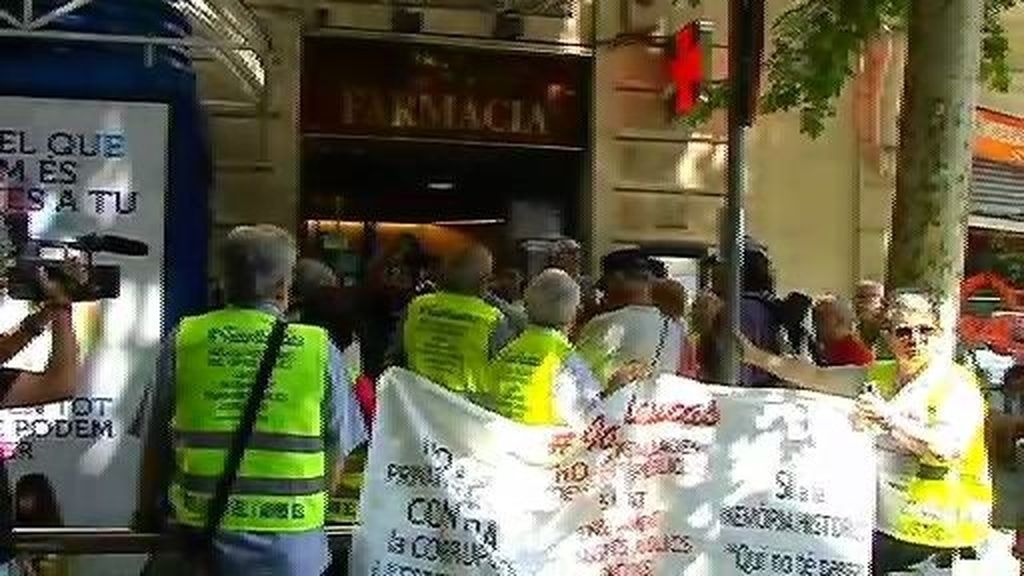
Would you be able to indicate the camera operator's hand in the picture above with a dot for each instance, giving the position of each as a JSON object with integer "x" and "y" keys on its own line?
{"x": 58, "y": 381}
{"x": 72, "y": 274}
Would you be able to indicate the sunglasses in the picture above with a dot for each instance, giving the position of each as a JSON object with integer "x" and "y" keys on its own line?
{"x": 905, "y": 332}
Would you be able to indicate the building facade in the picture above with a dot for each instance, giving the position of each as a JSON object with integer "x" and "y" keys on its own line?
{"x": 620, "y": 168}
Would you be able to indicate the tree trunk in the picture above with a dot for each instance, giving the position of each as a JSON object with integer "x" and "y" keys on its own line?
{"x": 929, "y": 228}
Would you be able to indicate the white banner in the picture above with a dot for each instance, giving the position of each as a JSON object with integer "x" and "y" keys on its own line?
{"x": 675, "y": 477}
{"x": 81, "y": 167}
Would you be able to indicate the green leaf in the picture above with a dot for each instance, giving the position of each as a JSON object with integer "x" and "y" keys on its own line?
{"x": 995, "y": 47}
{"x": 816, "y": 43}
{"x": 714, "y": 96}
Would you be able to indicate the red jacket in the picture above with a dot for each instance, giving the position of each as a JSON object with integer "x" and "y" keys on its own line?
{"x": 367, "y": 397}
{"x": 849, "y": 351}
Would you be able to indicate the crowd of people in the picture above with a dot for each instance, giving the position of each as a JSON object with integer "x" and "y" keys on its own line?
{"x": 546, "y": 350}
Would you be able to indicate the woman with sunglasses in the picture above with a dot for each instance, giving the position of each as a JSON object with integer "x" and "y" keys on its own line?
{"x": 927, "y": 415}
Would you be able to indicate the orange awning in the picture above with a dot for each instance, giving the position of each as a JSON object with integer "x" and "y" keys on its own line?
{"x": 999, "y": 137}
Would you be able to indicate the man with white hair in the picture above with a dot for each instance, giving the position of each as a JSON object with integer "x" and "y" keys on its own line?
{"x": 838, "y": 343}
{"x": 450, "y": 336}
{"x": 307, "y": 424}
{"x": 926, "y": 415}
{"x": 539, "y": 379}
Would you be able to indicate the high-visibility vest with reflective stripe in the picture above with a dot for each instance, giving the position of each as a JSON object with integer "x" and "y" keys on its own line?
{"x": 447, "y": 340}
{"x": 280, "y": 485}
{"x": 947, "y": 504}
{"x": 522, "y": 382}
{"x": 344, "y": 505}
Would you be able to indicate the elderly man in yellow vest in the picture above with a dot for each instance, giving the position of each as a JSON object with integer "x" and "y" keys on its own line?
{"x": 927, "y": 416}
{"x": 538, "y": 378}
{"x": 449, "y": 337}
{"x": 309, "y": 420}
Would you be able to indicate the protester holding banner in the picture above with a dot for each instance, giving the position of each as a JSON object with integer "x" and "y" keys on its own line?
{"x": 927, "y": 414}
{"x": 449, "y": 337}
{"x": 539, "y": 379}
{"x": 306, "y": 425}
{"x": 637, "y": 331}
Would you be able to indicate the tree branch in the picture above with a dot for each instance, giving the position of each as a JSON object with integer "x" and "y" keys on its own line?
{"x": 816, "y": 44}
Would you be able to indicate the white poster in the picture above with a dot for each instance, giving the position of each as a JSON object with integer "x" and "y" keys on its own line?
{"x": 674, "y": 478}
{"x": 78, "y": 168}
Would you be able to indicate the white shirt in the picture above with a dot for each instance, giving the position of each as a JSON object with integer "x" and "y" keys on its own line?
{"x": 632, "y": 334}
{"x": 577, "y": 392}
{"x": 957, "y": 419}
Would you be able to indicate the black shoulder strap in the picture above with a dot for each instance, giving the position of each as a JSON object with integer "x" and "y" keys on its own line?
{"x": 662, "y": 336}
{"x": 219, "y": 503}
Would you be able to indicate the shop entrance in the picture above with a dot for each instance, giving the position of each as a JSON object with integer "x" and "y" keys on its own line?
{"x": 447, "y": 144}
{"x": 362, "y": 197}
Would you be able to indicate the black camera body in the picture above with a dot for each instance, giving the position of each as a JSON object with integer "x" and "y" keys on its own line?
{"x": 103, "y": 282}
{"x": 52, "y": 256}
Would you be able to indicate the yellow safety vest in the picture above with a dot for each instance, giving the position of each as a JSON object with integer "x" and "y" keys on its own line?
{"x": 946, "y": 504}
{"x": 447, "y": 340}
{"x": 522, "y": 381}
{"x": 280, "y": 485}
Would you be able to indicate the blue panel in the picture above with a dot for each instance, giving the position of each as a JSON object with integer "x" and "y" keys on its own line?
{"x": 91, "y": 71}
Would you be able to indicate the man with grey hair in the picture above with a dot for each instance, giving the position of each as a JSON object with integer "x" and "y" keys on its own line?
{"x": 309, "y": 280}
{"x": 310, "y": 276}
{"x": 318, "y": 299}
{"x": 539, "y": 379}
{"x": 567, "y": 254}
{"x": 308, "y": 422}
{"x": 869, "y": 306}
{"x": 837, "y": 340}
{"x": 450, "y": 336}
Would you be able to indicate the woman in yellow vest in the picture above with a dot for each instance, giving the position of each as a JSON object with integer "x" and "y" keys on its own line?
{"x": 927, "y": 415}
{"x": 539, "y": 379}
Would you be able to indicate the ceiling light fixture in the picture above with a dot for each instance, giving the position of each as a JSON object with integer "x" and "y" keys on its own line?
{"x": 470, "y": 222}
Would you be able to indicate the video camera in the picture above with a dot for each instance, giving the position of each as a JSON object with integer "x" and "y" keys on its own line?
{"x": 31, "y": 254}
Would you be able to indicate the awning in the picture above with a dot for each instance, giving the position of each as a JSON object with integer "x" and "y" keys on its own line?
{"x": 226, "y": 28}
{"x": 999, "y": 137}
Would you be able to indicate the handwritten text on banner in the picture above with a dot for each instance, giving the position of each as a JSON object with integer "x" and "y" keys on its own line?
{"x": 675, "y": 477}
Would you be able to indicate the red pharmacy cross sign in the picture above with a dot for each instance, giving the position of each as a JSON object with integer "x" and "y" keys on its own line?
{"x": 686, "y": 68}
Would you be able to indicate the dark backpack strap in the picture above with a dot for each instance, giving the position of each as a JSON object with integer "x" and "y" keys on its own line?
{"x": 219, "y": 503}
{"x": 662, "y": 337}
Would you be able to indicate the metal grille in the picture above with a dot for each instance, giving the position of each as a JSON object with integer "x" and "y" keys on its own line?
{"x": 997, "y": 190}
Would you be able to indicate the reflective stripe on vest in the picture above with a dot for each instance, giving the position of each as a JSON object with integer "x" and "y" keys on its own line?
{"x": 447, "y": 340}
{"x": 344, "y": 506}
{"x": 947, "y": 504}
{"x": 522, "y": 381}
{"x": 280, "y": 485}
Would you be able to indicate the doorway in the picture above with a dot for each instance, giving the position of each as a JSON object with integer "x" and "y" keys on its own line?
{"x": 363, "y": 196}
